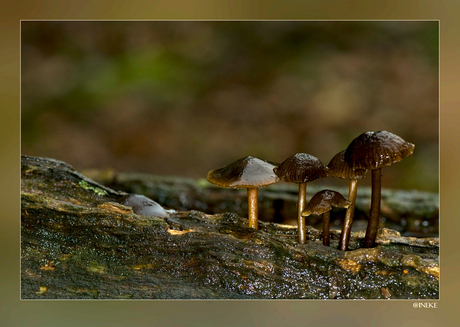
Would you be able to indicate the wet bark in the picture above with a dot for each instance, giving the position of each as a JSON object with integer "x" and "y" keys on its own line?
{"x": 79, "y": 242}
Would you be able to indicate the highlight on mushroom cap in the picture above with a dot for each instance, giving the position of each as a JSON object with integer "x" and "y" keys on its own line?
{"x": 373, "y": 150}
{"x": 338, "y": 168}
{"x": 301, "y": 168}
{"x": 247, "y": 172}
{"x": 323, "y": 201}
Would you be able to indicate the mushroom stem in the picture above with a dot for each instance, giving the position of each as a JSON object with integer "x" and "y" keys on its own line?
{"x": 374, "y": 213}
{"x": 300, "y": 208}
{"x": 326, "y": 220}
{"x": 348, "y": 220}
{"x": 252, "y": 207}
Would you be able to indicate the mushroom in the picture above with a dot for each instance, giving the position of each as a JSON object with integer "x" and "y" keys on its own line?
{"x": 374, "y": 150}
{"x": 145, "y": 206}
{"x": 338, "y": 168}
{"x": 249, "y": 173}
{"x": 321, "y": 204}
{"x": 301, "y": 168}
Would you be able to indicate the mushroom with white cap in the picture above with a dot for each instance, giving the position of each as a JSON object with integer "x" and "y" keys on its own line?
{"x": 250, "y": 173}
{"x": 375, "y": 150}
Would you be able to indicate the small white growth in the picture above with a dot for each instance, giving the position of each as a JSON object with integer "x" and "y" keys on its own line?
{"x": 145, "y": 206}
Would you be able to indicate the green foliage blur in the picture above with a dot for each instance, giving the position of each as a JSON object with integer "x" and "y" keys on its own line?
{"x": 185, "y": 97}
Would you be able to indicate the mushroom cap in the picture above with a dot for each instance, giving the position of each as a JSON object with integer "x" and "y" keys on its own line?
{"x": 300, "y": 168}
{"x": 248, "y": 172}
{"x": 373, "y": 150}
{"x": 145, "y": 206}
{"x": 338, "y": 168}
{"x": 323, "y": 201}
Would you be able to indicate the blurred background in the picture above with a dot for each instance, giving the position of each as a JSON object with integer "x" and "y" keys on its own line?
{"x": 184, "y": 97}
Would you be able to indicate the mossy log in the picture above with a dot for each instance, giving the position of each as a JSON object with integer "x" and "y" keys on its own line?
{"x": 79, "y": 242}
{"x": 412, "y": 213}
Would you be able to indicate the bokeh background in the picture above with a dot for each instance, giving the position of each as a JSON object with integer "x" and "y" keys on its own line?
{"x": 14, "y": 312}
{"x": 184, "y": 97}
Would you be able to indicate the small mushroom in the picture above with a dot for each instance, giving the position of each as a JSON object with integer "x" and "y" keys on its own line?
{"x": 145, "y": 206}
{"x": 374, "y": 150}
{"x": 321, "y": 204}
{"x": 250, "y": 173}
{"x": 338, "y": 168}
{"x": 301, "y": 168}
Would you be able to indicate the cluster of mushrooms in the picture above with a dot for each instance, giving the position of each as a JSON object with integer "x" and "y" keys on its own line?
{"x": 370, "y": 150}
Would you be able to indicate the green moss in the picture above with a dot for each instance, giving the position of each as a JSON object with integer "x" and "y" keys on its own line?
{"x": 203, "y": 182}
{"x": 96, "y": 190}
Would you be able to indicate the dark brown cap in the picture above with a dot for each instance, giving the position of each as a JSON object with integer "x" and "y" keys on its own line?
{"x": 248, "y": 172}
{"x": 338, "y": 168}
{"x": 373, "y": 150}
{"x": 300, "y": 168}
{"x": 323, "y": 201}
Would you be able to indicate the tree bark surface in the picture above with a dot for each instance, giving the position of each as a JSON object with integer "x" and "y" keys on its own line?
{"x": 79, "y": 242}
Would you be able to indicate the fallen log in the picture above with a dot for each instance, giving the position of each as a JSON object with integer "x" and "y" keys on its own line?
{"x": 79, "y": 242}
{"x": 410, "y": 212}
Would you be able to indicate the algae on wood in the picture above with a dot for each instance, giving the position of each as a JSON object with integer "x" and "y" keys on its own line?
{"x": 78, "y": 242}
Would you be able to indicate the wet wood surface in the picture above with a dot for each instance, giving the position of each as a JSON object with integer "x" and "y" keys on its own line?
{"x": 79, "y": 242}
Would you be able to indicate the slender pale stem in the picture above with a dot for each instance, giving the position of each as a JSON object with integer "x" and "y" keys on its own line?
{"x": 348, "y": 220}
{"x": 300, "y": 208}
{"x": 252, "y": 207}
{"x": 374, "y": 214}
{"x": 326, "y": 221}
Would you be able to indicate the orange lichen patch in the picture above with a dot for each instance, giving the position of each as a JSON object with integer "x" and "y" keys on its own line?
{"x": 432, "y": 271}
{"x": 116, "y": 208}
{"x": 140, "y": 267}
{"x": 48, "y": 266}
{"x": 179, "y": 232}
{"x": 427, "y": 266}
{"x": 349, "y": 265}
{"x": 405, "y": 271}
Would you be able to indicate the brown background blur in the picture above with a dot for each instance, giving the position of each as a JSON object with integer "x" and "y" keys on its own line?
{"x": 14, "y": 312}
{"x": 182, "y": 98}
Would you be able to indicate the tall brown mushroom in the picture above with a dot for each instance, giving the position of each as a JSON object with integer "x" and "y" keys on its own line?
{"x": 338, "y": 168}
{"x": 374, "y": 150}
{"x": 250, "y": 173}
{"x": 321, "y": 204}
{"x": 301, "y": 168}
